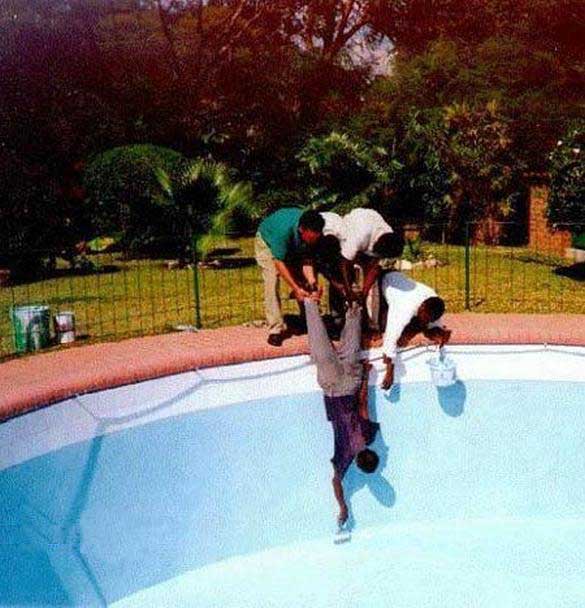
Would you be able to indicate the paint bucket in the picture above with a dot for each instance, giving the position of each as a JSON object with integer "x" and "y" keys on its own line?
{"x": 65, "y": 327}
{"x": 443, "y": 370}
{"x": 30, "y": 327}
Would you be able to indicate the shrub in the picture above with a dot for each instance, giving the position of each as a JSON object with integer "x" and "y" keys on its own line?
{"x": 567, "y": 172}
{"x": 345, "y": 172}
{"x": 126, "y": 195}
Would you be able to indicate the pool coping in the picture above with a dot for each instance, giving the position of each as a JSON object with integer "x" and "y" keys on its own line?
{"x": 47, "y": 378}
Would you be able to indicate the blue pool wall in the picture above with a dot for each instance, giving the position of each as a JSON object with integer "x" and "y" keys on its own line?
{"x": 97, "y": 520}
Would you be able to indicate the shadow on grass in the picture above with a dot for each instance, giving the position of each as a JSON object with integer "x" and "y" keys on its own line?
{"x": 575, "y": 272}
{"x": 227, "y": 263}
{"x": 61, "y": 273}
{"x": 222, "y": 252}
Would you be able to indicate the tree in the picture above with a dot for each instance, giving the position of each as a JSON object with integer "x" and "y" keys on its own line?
{"x": 458, "y": 166}
{"x": 413, "y": 25}
{"x": 229, "y": 78}
{"x": 475, "y": 149}
{"x": 206, "y": 203}
{"x": 126, "y": 197}
{"x": 344, "y": 173}
{"x": 567, "y": 171}
{"x": 422, "y": 189}
{"x": 156, "y": 200}
{"x": 537, "y": 92}
{"x": 32, "y": 229}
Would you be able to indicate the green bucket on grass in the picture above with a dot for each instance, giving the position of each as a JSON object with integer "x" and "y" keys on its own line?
{"x": 31, "y": 327}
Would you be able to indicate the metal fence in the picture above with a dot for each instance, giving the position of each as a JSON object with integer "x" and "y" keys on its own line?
{"x": 114, "y": 295}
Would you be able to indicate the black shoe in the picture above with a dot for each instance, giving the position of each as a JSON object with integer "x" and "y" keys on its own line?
{"x": 275, "y": 339}
{"x": 295, "y": 325}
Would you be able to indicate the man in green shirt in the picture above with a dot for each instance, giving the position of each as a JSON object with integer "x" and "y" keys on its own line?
{"x": 283, "y": 242}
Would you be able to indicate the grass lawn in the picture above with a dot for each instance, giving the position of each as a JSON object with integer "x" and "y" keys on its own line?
{"x": 138, "y": 297}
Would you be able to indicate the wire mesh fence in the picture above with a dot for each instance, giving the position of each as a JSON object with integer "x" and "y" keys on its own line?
{"x": 114, "y": 295}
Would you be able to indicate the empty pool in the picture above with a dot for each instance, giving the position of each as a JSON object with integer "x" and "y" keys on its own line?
{"x": 213, "y": 489}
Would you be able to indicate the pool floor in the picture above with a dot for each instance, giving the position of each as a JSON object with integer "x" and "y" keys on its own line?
{"x": 460, "y": 564}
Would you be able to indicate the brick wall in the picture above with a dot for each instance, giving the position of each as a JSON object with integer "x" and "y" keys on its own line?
{"x": 540, "y": 236}
{"x": 487, "y": 232}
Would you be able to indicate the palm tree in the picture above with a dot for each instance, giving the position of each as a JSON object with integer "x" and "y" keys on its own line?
{"x": 206, "y": 202}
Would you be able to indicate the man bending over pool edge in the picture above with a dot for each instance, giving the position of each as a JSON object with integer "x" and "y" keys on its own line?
{"x": 413, "y": 308}
{"x": 344, "y": 380}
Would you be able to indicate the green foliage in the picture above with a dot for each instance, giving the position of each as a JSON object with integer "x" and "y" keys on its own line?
{"x": 413, "y": 250}
{"x": 344, "y": 172}
{"x": 206, "y": 202}
{"x": 567, "y": 171}
{"x": 125, "y": 193}
{"x": 422, "y": 188}
{"x": 476, "y": 149}
{"x": 275, "y": 198}
{"x": 34, "y": 226}
{"x": 159, "y": 200}
{"x": 537, "y": 83}
{"x": 458, "y": 166}
{"x": 249, "y": 83}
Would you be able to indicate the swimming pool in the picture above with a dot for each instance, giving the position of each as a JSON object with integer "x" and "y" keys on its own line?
{"x": 213, "y": 489}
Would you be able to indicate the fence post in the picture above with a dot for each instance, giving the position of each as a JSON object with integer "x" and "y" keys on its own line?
{"x": 467, "y": 268}
{"x": 196, "y": 288}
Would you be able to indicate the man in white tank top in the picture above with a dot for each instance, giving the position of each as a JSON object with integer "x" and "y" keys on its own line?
{"x": 367, "y": 238}
{"x": 362, "y": 237}
{"x": 413, "y": 308}
{"x": 328, "y": 263}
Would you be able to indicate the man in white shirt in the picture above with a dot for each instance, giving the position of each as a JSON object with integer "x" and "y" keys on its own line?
{"x": 362, "y": 228}
{"x": 367, "y": 238}
{"x": 361, "y": 237}
{"x": 413, "y": 308}
{"x": 334, "y": 225}
{"x": 328, "y": 263}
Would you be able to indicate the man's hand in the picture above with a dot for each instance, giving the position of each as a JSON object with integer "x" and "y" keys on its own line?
{"x": 355, "y": 295}
{"x": 389, "y": 376}
{"x": 316, "y": 295}
{"x": 445, "y": 337}
{"x": 367, "y": 365}
{"x": 343, "y": 515}
{"x": 300, "y": 294}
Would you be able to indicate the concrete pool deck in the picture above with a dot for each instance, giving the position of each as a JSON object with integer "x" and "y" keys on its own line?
{"x": 47, "y": 378}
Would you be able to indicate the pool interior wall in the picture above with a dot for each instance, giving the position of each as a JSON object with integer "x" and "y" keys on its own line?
{"x": 108, "y": 494}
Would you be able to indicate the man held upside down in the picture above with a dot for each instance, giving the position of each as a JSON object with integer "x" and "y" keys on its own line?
{"x": 344, "y": 380}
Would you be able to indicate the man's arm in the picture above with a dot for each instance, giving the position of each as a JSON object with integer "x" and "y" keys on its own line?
{"x": 338, "y": 491}
{"x": 286, "y": 274}
{"x": 310, "y": 275}
{"x": 397, "y": 319}
{"x": 346, "y": 274}
{"x": 389, "y": 375}
{"x": 363, "y": 392}
{"x": 373, "y": 271}
{"x": 438, "y": 335}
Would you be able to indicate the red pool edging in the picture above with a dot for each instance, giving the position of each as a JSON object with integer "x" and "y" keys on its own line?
{"x": 28, "y": 383}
